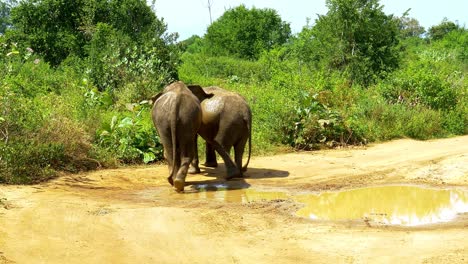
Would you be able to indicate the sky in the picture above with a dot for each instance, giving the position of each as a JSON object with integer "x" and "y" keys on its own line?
{"x": 191, "y": 17}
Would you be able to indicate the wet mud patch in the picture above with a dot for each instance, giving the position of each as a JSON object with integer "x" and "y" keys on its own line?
{"x": 391, "y": 205}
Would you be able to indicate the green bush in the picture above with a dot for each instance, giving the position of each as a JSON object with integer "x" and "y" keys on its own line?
{"x": 389, "y": 121}
{"x": 30, "y": 162}
{"x": 314, "y": 124}
{"x": 423, "y": 88}
{"x": 130, "y": 136}
{"x": 455, "y": 121}
{"x": 246, "y": 33}
{"x": 119, "y": 66}
{"x": 40, "y": 109}
{"x": 199, "y": 65}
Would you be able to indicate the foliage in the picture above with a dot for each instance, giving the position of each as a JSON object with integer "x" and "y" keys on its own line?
{"x": 75, "y": 79}
{"x": 235, "y": 70}
{"x": 115, "y": 62}
{"x": 389, "y": 121}
{"x": 454, "y": 43}
{"x": 245, "y": 33}
{"x": 131, "y": 137}
{"x": 424, "y": 88}
{"x": 56, "y": 29}
{"x": 409, "y": 27}
{"x": 194, "y": 44}
{"x": 49, "y": 118}
{"x": 314, "y": 124}
{"x": 36, "y": 140}
{"x": 434, "y": 77}
{"x": 439, "y": 31}
{"x": 26, "y": 162}
{"x": 5, "y": 9}
{"x": 355, "y": 37}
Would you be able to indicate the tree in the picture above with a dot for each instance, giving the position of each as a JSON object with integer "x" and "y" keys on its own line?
{"x": 59, "y": 28}
{"x": 410, "y": 27}
{"x": 194, "y": 44}
{"x": 5, "y": 9}
{"x": 245, "y": 33}
{"x": 122, "y": 44}
{"x": 356, "y": 37}
{"x": 439, "y": 31}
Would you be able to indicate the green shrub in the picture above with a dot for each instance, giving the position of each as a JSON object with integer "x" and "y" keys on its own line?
{"x": 199, "y": 65}
{"x": 314, "y": 124}
{"x": 40, "y": 132}
{"x": 130, "y": 136}
{"x": 389, "y": 121}
{"x": 423, "y": 88}
{"x": 455, "y": 121}
{"x": 424, "y": 123}
{"x": 30, "y": 162}
{"x": 118, "y": 65}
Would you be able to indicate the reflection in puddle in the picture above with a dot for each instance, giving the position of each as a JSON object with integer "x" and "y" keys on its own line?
{"x": 388, "y": 205}
{"x": 222, "y": 192}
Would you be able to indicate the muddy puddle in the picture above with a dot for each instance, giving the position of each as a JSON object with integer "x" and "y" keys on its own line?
{"x": 387, "y": 205}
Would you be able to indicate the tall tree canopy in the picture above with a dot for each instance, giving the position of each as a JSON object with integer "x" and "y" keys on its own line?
{"x": 119, "y": 41}
{"x": 245, "y": 33}
{"x": 439, "y": 31}
{"x": 58, "y": 28}
{"x": 355, "y": 36}
{"x": 410, "y": 27}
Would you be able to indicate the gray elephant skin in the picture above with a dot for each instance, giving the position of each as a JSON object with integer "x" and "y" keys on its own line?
{"x": 177, "y": 117}
{"x": 226, "y": 121}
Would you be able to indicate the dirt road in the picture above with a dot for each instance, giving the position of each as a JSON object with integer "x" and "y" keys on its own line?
{"x": 132, "y": 215}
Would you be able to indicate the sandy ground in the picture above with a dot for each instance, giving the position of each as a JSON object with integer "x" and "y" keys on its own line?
{"x": 131, "y": 215}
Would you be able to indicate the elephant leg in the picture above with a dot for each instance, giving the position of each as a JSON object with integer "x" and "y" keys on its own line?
{"x": 175, "y": 169}
{"x": 231, "y": 170}
{"x": 186, "y": 155}
{"x": 194, "y": 168}
{"x": 179, "y": 181}
{"x": 170, "y": 163}
{"x": 210, "y": 156}
{"x": 239, "y": 152}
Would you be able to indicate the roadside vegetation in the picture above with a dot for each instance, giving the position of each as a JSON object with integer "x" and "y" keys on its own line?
{"x": 75, "y": 82}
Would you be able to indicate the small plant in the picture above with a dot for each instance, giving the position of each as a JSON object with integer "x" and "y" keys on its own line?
{"x": 314, "y": 124}
{"x": 131, "y": 137}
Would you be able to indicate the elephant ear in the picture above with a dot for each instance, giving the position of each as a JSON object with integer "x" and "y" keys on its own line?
{"x": 154, "y": 98}
{"x": 198, "y": 91}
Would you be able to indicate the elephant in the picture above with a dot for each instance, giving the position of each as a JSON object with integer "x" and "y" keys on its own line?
{"x": 176, "y": 114}
{"x": 227, "y": 121}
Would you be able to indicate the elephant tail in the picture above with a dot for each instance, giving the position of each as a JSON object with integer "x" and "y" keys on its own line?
{"x": 249, "y": 124}
{"x": 175, "y": 112}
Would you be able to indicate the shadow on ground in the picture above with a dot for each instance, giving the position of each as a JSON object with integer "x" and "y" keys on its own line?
{"x": 215, "y": 179}
{"x": 251, "y": 173}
